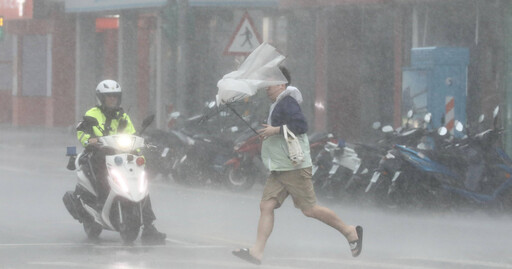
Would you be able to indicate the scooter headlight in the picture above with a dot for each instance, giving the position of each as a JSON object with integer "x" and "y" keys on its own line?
{"x": 143, "y": 183}
{"x": 125, "y": 141}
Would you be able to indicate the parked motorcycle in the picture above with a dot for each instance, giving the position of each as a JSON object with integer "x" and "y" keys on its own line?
{"x": 246, "y": 167}
{"x": 161, "y": 155}
{"x": 416, "y": 171}
{"x": 332, "y": 169}
{"x": 370, "y": 156}
{"x": 203, "y": 161}
{"x": 171, "y": 147}
{"x": 389, "y": 166}
{"x": 475, "y": 175}
{"x": 125, "y": 179}
{"x": 207, "y": 146}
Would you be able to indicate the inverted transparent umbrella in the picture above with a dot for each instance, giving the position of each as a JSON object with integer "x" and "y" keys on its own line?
{"x": 259, "y": 71}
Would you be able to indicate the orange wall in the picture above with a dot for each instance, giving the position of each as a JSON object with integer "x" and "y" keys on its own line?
{"x": 57, "y": 109}
{"x": 30, "y": 111}
{"x": 63, "y": 77}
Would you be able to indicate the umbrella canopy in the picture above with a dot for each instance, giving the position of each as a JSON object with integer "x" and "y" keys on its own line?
{"x": 258, "y": 71}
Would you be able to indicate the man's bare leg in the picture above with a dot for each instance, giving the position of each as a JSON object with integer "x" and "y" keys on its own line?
{"x": 330, "y": 218}
{"x": 265, "y": 227}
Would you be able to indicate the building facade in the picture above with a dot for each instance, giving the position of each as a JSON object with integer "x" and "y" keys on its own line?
{"x": 347, "y": 56}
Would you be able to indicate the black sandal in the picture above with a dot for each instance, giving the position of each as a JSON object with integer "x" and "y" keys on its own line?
{"x": 356, "y": 246}
{"x": 244, "y": 254}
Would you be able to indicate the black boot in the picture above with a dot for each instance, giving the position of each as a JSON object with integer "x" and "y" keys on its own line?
{"x": 151, "y": 236}
{"x": 73, "y": 206}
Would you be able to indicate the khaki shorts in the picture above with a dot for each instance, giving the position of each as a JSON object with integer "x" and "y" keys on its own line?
{"x": 296, "y": 183}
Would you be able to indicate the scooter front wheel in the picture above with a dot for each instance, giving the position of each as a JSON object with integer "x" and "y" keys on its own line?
{"x": 129, "y": 233}
{"x": 92, "y": 229}
{"x": 129, "y": 228}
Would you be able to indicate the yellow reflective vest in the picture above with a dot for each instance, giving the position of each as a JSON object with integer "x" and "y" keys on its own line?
{"x": 100, "y": 116}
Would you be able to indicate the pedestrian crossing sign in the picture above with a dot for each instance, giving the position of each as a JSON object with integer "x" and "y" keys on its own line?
{"x": 245, "y": 38}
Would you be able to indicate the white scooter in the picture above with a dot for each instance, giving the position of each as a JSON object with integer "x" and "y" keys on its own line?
{"x": 333, "y": 167}
{"x": 128, "y": 186}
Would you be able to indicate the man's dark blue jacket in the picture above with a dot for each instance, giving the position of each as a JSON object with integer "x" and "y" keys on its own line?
{"x": 287, "y": 111}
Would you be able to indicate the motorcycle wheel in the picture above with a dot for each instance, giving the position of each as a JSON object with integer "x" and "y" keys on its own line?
{"x": 505, "y": 201}
{"x": 238, "y": 180}
{"x": 129, "y": 233}
{"x": 320, "y": 181}
{"x": 380, "y": 194}
{"x": 186, "y": 172}
{"x": 92, "y": 229}
{"x": 130, "y": 227}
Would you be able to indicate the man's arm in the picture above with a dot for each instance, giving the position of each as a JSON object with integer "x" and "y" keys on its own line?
{"x": 293, "y": 116}
{"x": 85, "y": 133}
{"x": 83, "y": 137}
{"x": 287, "y": 112}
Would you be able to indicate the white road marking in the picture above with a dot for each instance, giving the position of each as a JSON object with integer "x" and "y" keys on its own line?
{"x": 45, "y": 245}
{"x": 178, "y": 241}
{"x": 341, "y": 263}
{"x": 359, "y": 263}
{"x": 114, "y": 245}
{"x": 224, "y": 240}
{"x": 188, "y": 262}
{"x": 464, "y": 262}
{"x": 63, "y": 264}
{"x": 388, "y": 264}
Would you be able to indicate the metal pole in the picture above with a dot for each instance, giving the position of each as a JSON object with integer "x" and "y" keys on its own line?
{"x": 236, "y": 113}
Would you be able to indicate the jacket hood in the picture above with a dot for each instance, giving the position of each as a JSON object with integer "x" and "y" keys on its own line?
{"x": 291, "y": 91}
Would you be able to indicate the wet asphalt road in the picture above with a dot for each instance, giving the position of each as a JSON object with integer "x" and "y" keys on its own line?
{"x": 204, "y": 224}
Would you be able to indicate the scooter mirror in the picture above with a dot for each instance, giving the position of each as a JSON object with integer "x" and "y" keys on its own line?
{"x": 459, "y": 126}
{"x": 175, "y": 115}
{"x": 387, "y": 129}
{"x": 376, "y": 125}
{"x": 428, "y": 117}
{"x": 409, "y": 114}
{"x": 146, "y": 122}
{"x": 442, "y": 131}
{"x": 496, "y": 111}
{"x": 495, "y": 116}
{"x": 481, "y": 118}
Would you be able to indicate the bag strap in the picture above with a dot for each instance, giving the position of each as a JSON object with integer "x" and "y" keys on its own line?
{"x": 287, "y": 133}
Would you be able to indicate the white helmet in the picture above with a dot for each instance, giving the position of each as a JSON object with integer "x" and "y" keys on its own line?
{"x": 108, "y": 87}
